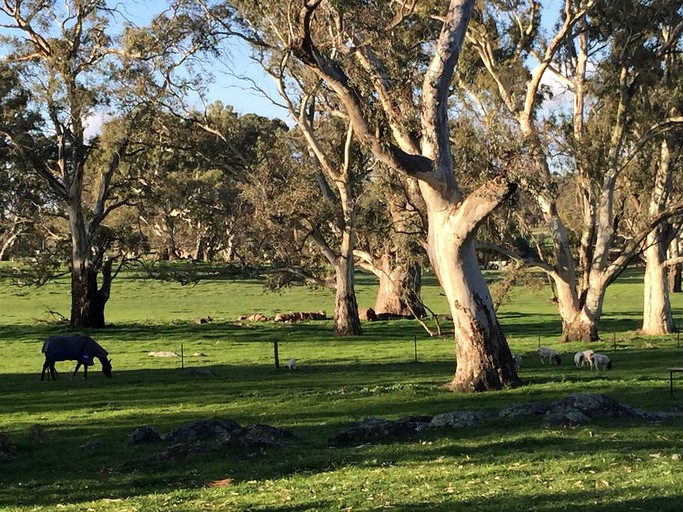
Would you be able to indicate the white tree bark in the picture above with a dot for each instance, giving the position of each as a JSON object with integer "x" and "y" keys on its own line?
{"x": 657, "y": 315}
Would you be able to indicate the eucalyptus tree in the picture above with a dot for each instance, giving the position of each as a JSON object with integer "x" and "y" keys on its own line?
{"x": 389, "y": 67}
{"x": 306, "y": 191}
{"x": 392, "y": 242}
{"x": 189, "y": 172}
{"x": 310, "y": 104}
{"x": 21, "y": 196}
{"x": 332, "y": 147}
{"x": 78, "y": 71}
{"x": 663, "y": 99}
{"x": 597, "y": 51}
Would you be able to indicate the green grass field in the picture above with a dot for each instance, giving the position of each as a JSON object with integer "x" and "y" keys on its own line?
{"x": 510, "y": 465}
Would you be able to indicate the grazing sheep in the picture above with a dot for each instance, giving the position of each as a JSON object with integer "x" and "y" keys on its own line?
{"x": 601, "y": 360}
{"x": 583, "y": 358}
{"x": 518, "y": 361}
{"x": 549, "y": 354}
{"x": 291, "y": 364}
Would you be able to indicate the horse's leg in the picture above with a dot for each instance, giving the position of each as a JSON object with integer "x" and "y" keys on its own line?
{"x": 45, "y": 367}
{"x": 85, "y": 371}
{"x": 78, "y": 365}
{"x": 52, "y": 370}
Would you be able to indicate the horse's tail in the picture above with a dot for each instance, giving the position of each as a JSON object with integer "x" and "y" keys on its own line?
{"x": 46, "y": 346}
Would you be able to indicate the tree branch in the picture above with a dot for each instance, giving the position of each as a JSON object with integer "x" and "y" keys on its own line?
{"x": 479, "y": 204}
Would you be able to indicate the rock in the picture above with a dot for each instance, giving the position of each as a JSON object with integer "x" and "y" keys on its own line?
{"x": 257, "y": 317}
{"x": 205, "y": 436}
{"x": 372, "y": 430}
{"x": 297, "y": 316}
{"x": 578, "y": 409}
{"x": 531, "y": 409}
{"x": 175, "y": 453}
{"x": 202, "y": 430}
{"x": 459, "y": 418}
{"x": 260, "y": 436}
{"x": 144, "y": 435}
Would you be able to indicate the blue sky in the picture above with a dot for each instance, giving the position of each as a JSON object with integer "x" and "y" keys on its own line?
{"x": 226, "y": 87}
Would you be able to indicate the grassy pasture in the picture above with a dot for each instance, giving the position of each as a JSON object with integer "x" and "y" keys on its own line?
{"x": 515, "y": 465}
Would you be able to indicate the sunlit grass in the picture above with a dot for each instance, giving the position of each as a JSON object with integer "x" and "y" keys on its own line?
{"x": 511, "y": 465}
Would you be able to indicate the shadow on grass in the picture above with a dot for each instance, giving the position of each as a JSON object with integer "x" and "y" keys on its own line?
{"x": 523, "y": 440}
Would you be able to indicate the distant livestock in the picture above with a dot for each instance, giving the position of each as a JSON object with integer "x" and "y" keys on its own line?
{"x": 583, "y": 358}
{"x": 77, "y": 347}
{"x": 291, "y": 364}
{"x": 549, "y": 355}
{"x": 601, "y": 361}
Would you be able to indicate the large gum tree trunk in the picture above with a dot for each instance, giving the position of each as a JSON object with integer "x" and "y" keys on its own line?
{"x": 584, "y": 326}
{"x": 657, "y": 316}
{"x": 87, "y": 301}
{"x": 399, "y": 289}
{"x": 346, "y": 319}
{"x": 484, "y": 360}
{"x": 87, "y": 310}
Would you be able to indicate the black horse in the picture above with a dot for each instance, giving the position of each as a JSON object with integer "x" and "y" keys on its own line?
{"x": 76, "y": 347}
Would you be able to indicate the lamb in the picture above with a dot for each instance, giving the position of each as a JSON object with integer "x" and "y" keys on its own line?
{"x": 601, "y": 360}
{"x": 291, "y": 364}
{"x": 583, "y": 358}
{"x": 518, "y": 361}
{"x": 549, "y": 354}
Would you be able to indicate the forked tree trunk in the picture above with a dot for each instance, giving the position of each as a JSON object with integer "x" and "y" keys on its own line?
{"x": 584, "y": 326}
{"x": 483, "y": 357}
{"x": 399, "y": 289}
{"x": 346, "y": 319}
{"x": 87, "y": 301}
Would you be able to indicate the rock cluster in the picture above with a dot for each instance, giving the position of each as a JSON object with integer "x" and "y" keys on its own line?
{"x": 206, "y": 436}
{"x": 573, "y": 410}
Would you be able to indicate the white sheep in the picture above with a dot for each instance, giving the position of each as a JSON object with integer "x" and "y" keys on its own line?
{"x": 291, "y": 364}
{"x": 549, "y": 354}
{"x": 518, "y": 361}
{"x": 601, "y": 360}
{"x": 583, "y": 358}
